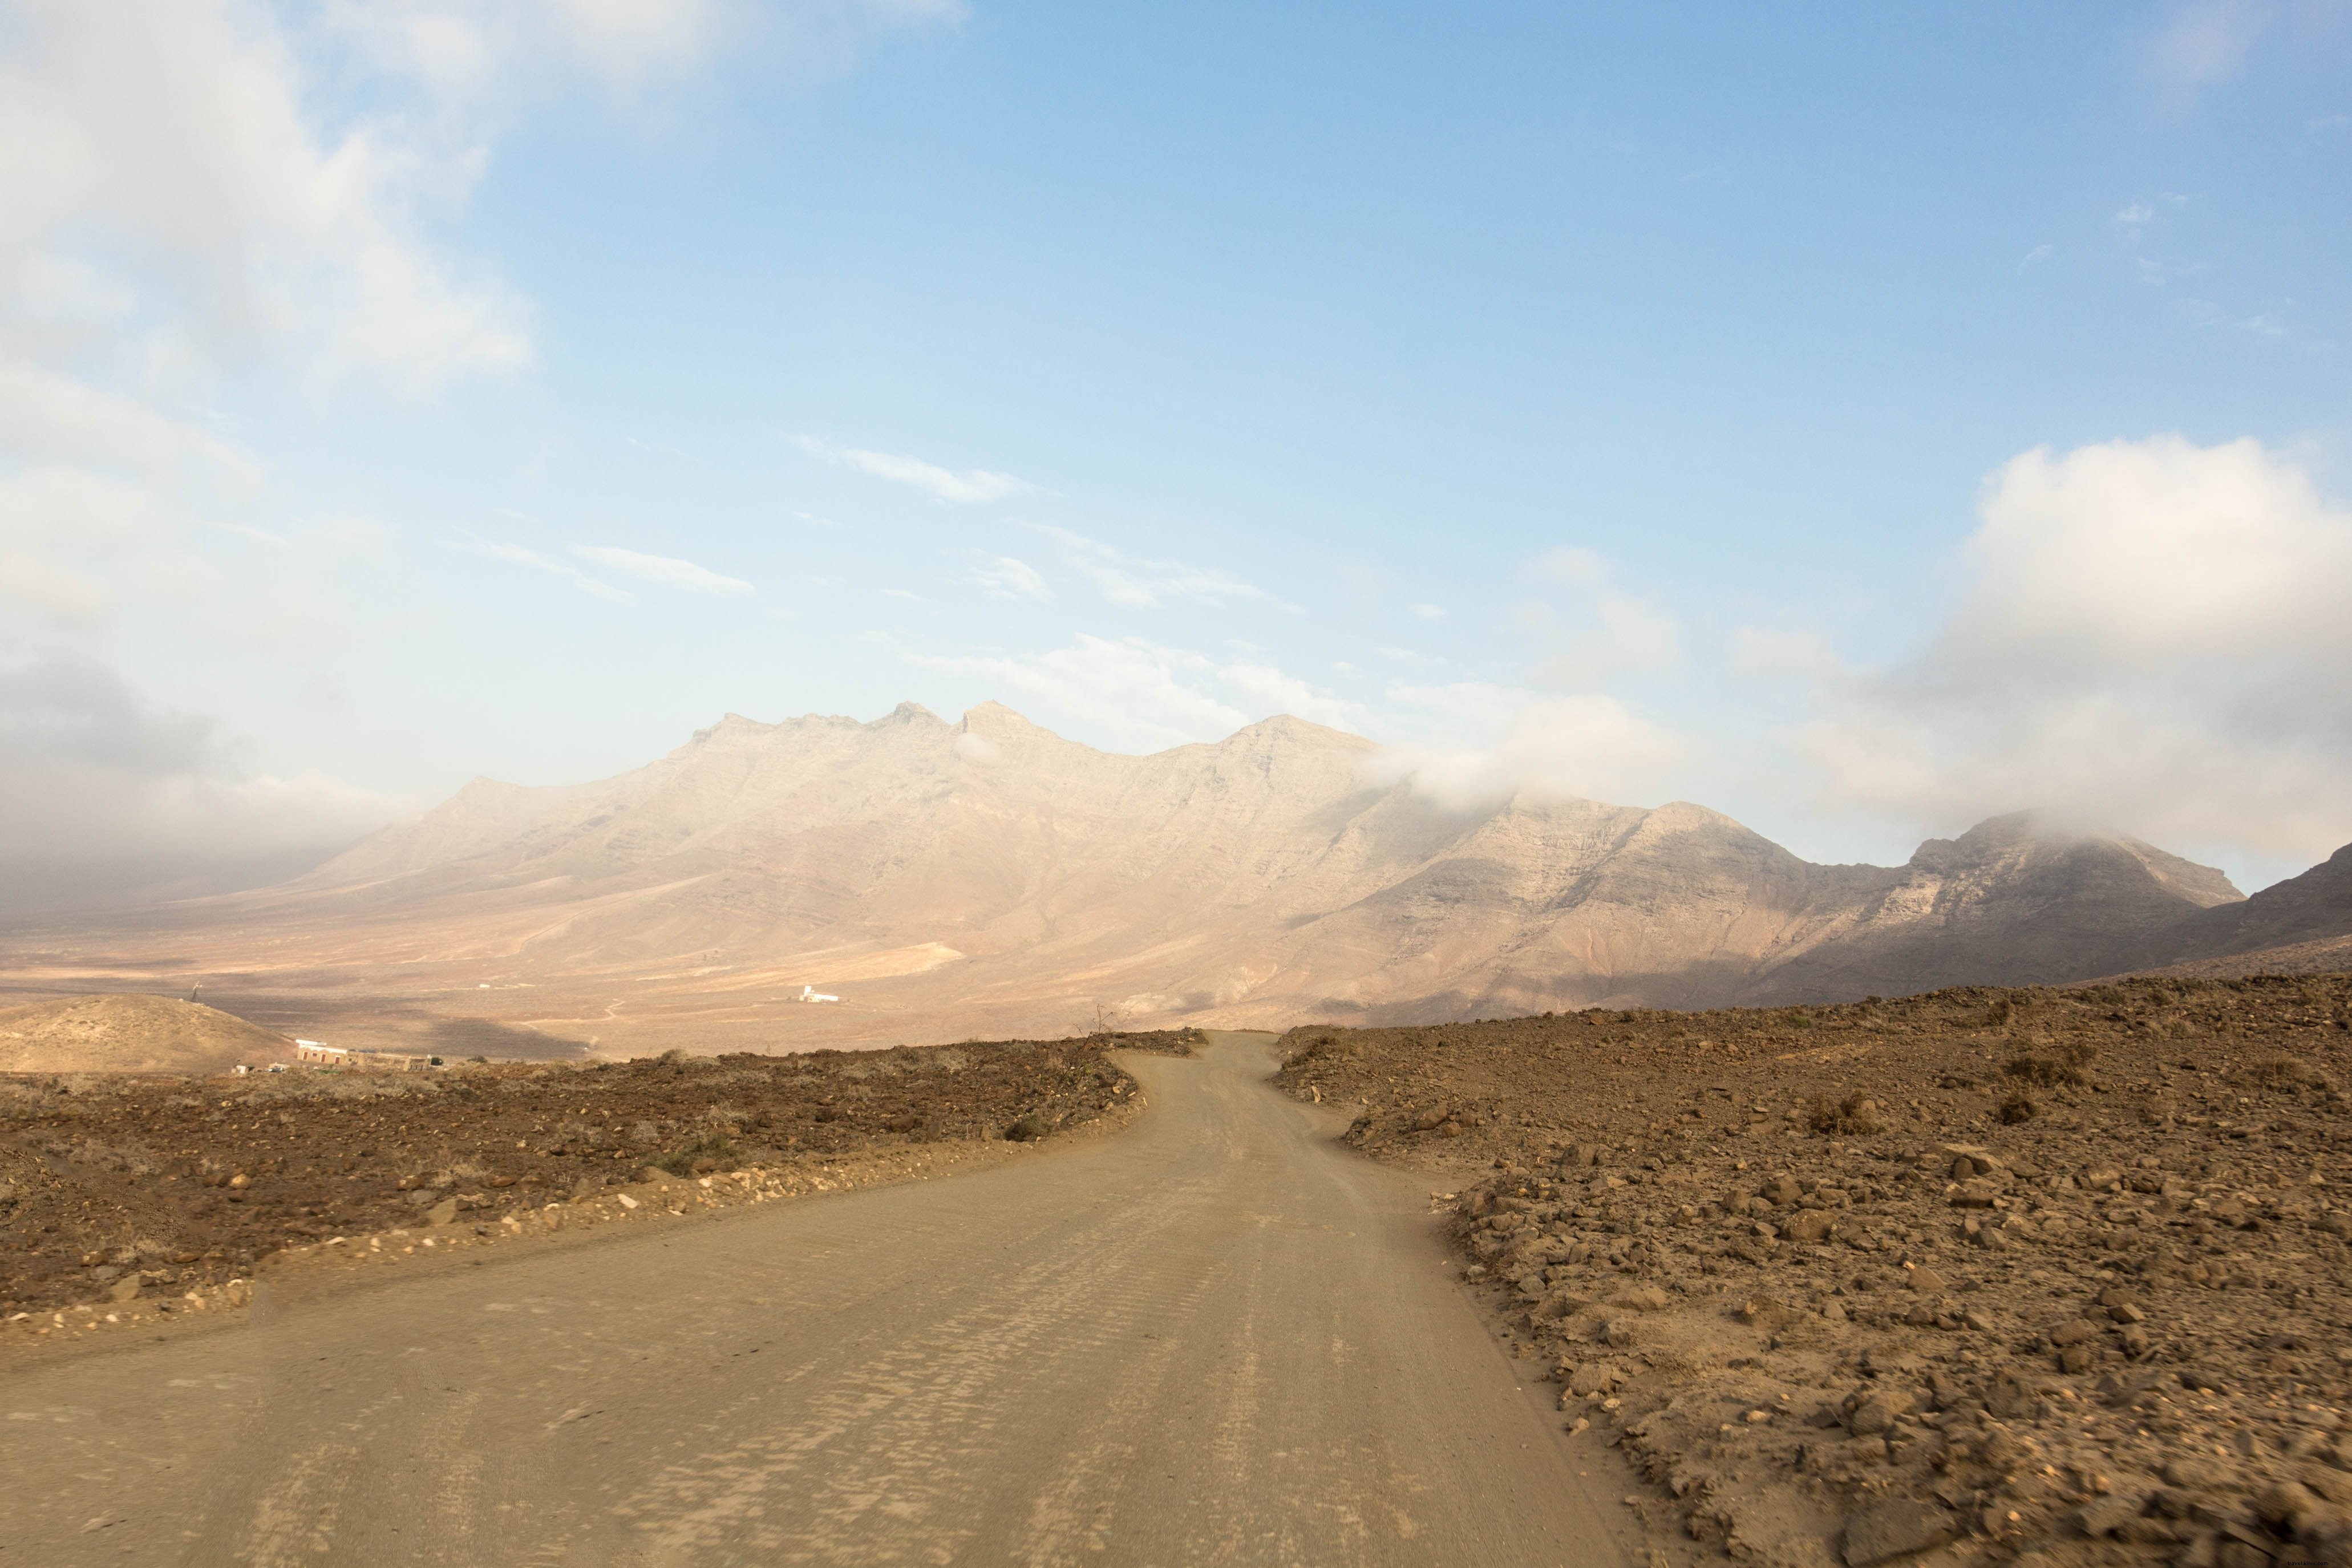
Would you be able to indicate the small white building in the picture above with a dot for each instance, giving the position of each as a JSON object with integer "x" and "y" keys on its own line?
{"x": 811, "y": 994}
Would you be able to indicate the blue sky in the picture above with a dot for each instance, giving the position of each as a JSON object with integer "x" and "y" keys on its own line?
{"x": 1860, "y": 420}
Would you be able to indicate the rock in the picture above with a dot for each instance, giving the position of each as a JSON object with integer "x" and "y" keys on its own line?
{"x": 2073, "y": 1331}
{"x": 1809, "y": 1226}
{"x": 1644, "y": 1299}
{"x": 1589, "y": 1377}
{"x": 2106, "y": 1515}
{"x": 1879, "y": 1410}
{"x": 1928, "y": 1282}
{"x": 442, "y": 1213}
{"x": 1894, "y": 1529}
{"x": 1783, "y": 1190}
{"x": 2282, "y": 1502}
{"x": 125, "y": 1288}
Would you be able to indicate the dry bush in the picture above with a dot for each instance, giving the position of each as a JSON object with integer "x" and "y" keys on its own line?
{"x": 1856, "y": 1116}
{"x": 2019, "y": 1106}
{"x": 2288, "y": 1072}
{"x": 2064, "y": 1067}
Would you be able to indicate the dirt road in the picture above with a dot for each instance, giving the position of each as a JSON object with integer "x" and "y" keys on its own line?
{"x": 1215, "y": 1337}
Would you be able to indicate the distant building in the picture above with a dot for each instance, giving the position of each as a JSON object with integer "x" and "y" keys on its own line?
{"x": 310, "y": 1051}
{"x": 811, "y": 994}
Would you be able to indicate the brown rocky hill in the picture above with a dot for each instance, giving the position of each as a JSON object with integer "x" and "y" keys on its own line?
{"x": 990, "y": 876}
{"x": 132, "y": 1034}
{"x": 2314, "y": 908}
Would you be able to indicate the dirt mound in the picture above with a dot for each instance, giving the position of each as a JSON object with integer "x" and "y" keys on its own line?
{"x": 2057, "y": 1271}
{"x": 132, "y": 1034}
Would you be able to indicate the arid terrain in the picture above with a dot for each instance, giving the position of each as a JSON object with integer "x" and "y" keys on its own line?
{"x": 2056, "y": 1274}
{"x": 987, "y": 878}
{"x": 117, "y": 1188}
{"x": 132, "y": 1034}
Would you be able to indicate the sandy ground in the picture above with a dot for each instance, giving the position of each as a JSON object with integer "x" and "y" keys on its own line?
{"x": 1216, "y": 1336}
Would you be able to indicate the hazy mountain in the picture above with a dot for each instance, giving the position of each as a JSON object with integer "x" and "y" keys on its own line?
{"x": 990, "y": 876}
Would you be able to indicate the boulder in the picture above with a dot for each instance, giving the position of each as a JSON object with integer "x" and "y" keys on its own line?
{"x": 1898, "y": 1528}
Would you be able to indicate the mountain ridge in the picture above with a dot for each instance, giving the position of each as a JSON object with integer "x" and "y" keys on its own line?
{"x": 989, "y": 874}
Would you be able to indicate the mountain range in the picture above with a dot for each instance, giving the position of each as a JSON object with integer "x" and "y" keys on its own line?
{"x": 990, "y": 877}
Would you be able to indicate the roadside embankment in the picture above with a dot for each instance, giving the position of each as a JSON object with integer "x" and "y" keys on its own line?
{"x": 126, "y": 1199}
{"x": 1979, "y": 1273}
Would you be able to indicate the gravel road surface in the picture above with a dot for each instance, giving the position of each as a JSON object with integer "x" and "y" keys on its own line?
{"x": 1214, "y": 1337}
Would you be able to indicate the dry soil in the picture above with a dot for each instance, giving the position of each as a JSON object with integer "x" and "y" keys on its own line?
{"x": 2050, "y": 1273}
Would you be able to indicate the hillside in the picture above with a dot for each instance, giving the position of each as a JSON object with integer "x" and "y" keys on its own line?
{"x": 988, "y": 876}
{"x": 132, "y": 1034}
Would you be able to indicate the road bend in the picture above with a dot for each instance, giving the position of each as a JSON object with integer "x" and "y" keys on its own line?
{"x": 1218, "y": 1336}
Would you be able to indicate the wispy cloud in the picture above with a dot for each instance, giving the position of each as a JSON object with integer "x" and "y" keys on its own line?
{"x": 666, "y": 570}
{"x": 578, "y": 579}
{"x": 1574, "y": 563}
{"x": 1003, "y": 577}
{"x": 1426, "y": 612}
{"x": 2037, "y": 255}
{"x": 1133, "y": 580}
{"x": 2207, "y": 41}
{"x": 1142, "y": 693}
{"x": 965, "y": 485}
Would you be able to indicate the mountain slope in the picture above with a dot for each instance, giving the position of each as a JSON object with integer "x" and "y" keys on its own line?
{"x": 990, "y": 876}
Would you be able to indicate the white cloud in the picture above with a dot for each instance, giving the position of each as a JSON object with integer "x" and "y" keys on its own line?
{"x": 2139, "y": 215}
{"x": 1581, "y": 746}
{"x": 109, "y": 794}
{"x": 2039, "y": 254}
{"x": 1762, "y": 652}
{"x": 2207, "y": 41}
{"x": 1574, "y": 564}
{"x": 1134, "y": 693}
{"x": 1003, "y": 577}
{"x": 1136, "y": 583}
{"x": 2152, "y": 635}
{"x": 1266, "y": 690}
{"x": 519, "y": 556}
{"x": 1426, "y": 612}
{"x": 1632, "y": 636}
{"x": 64, "y": 534}
{"x": 1141, "y": 696}
{"x": 967, "y": 486}
{"x": 173, "y": 154}
{"x": 666, "y": 570}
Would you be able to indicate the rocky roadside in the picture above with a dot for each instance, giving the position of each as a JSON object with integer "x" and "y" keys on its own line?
{"x": 2035, "y": 1274}
{"x": 126, "y": 1201}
